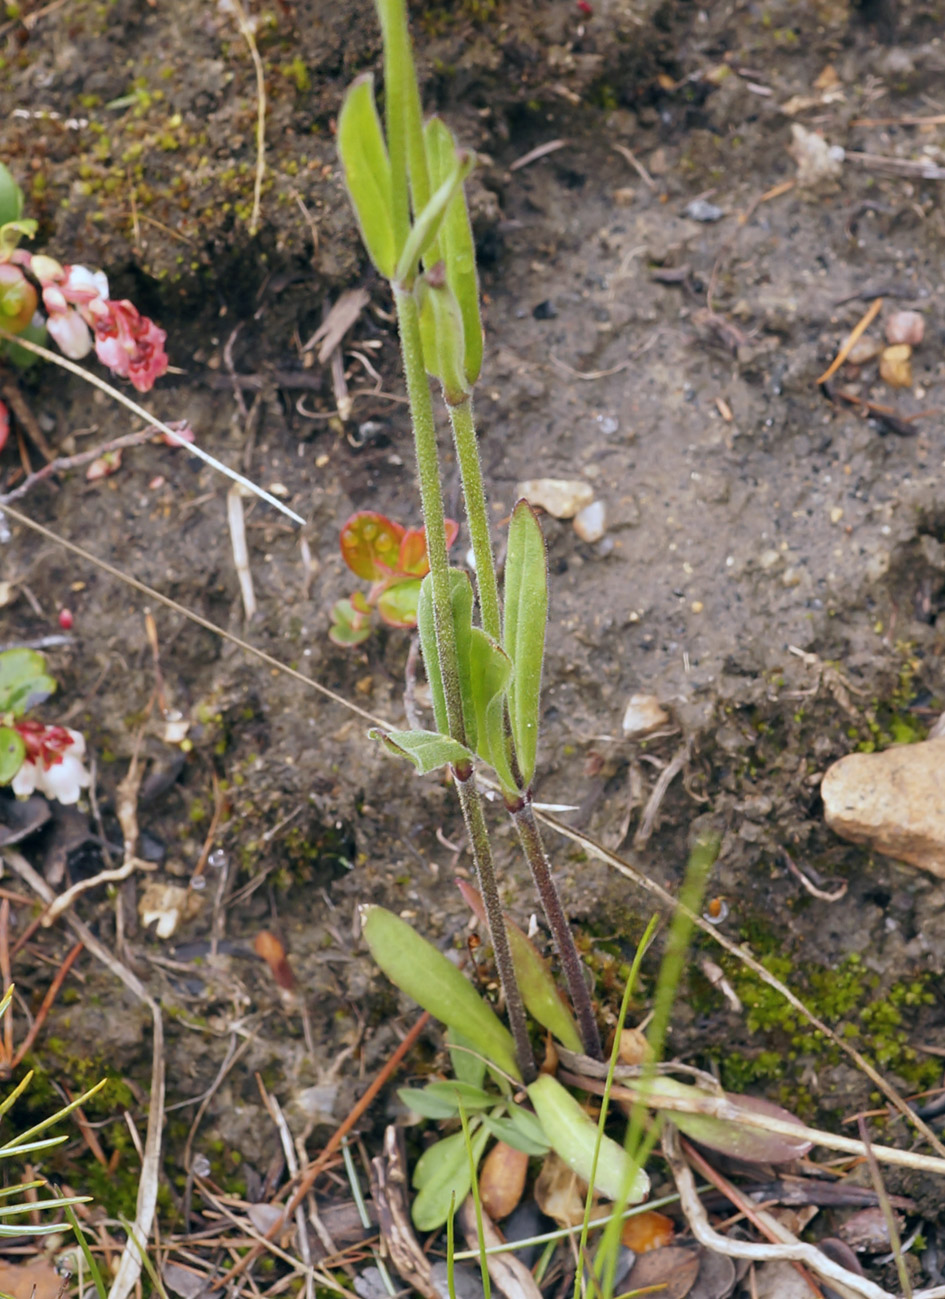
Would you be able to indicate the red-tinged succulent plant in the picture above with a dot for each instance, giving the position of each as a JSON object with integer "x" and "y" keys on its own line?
{"x": 394, "y": 560}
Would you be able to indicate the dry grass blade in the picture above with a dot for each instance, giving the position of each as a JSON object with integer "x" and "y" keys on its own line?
{"x": 882, "y": 1195}
{"x": 336, "y": 324}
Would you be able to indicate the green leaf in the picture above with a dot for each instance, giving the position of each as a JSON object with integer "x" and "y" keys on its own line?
{"x": 442, "y": 335}
{"x": 428, "y": 1107}
{"x": 468, "y": 1067}
{"x": 11, "y": 197}
{"x": 24, "y": 682}
{"x": 427, "y": 223}
{"x": 367, "y": 171}
{"x": 572, "y": 1135}
{"x": 461, "y": 597}
{"x": 543, "y": 1000}
{"x": 12, "y": 753}
{"x": 456, "y": 245}
{"x": 397, "y": 604}
{"x": 35, "y": 332}
{"x": 442, "y": 1175}
{"x": 434, "y": 983}
{"x": 526, "y": 614}
{"x": 485, "y": 673}
{"x": 427, "y": 750}
{"x": 471, "y": 1098}
{"x": 521, "y": 1129}
{"x": 726, "y": 1135}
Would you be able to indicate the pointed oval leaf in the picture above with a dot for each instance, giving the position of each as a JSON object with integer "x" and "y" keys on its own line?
{"x": 488, "y": 670}
{"x": 419, "y": 1101}
{"x": 471, "y": 1098}
{"x": 397, "y": 604}
{"x": 526, "y": 614}
{"x": 541, "y": 995}
{"x": 467, "y": 1064}
{"x": 350, "y": 625}
{"x": 367, "y": 171}
{"x": 427, "y": 750}
{"x": 444, "y": 1178}
{"x": 442, "y": 335}
{"x": 456, "y": 245}
{"x": 521, "y": 1129}
{"x": 728, "y": 1136}
{"x": 462, "y": 601}
{"x": 24, "y": 682}
{"x": 426, "y": 227}
{"x": 434, "y": 983}
{"x": 12, "y": 753}
{"x": 572, "y": 1135}
{"x": 370, "y": 545}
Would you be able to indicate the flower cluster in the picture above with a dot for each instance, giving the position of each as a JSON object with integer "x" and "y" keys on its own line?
{"x": 53, "y": 764}
{"x": 79, "y": 310}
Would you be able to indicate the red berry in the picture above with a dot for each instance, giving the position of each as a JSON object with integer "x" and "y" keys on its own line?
{"x": 65, "y": 619}
{"x": 586, "y": 9}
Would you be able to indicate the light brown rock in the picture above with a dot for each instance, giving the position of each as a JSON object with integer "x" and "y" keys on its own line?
{"x": 561, "y": 497}
{"x": 893, "y": 801}
{"x": 644, "y": 715}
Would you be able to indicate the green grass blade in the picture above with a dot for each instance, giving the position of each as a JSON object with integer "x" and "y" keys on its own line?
{"x": 474, "y": 1183}
{"x": 18, "y": 1143}
{"x": 83, "y": 1244}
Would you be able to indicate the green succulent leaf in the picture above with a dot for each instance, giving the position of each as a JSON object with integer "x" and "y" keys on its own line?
{"x": 520, "y": 1129}
{"x": 11, "y": 197}
{"x": 370, "y": 545}
{"x": 423, "y": 973}
{"x": 24, "y": 682}
{"x": 35, "y": 332}
{"x": 427, "y": 750}
{"x": 12, "y": 753}
{"x": 350, "y": 625}
{"x": 397, "y": 603}
{"x": 543, "y": 1000}
{"x": 442, "y": 1176}
{"x": 455, "y": 245}
{"x": 572, "y": 1135}
{"x": 367, "y": 171}
{"x": 526, "y": 614}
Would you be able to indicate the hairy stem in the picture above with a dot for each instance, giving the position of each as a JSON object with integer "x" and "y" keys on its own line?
{"x": 477, "y": 830}
{"x": 431, "y": 498}
{"x": 474, "y": 495}
{"x": 530, "y": 838}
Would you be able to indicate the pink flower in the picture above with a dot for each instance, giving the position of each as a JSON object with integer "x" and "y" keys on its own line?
{"x": 130, "y": 344}
{"x": 53, "y": 763}
{"x": 70, "y": 331}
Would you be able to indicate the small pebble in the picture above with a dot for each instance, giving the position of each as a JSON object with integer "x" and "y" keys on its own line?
{"x": 905, "y": 327}
{"x": 700, "y": 210}
{"x": 895, "y": 366}
{"x": 836, "y": 514}
{"x": 697, "y": 606}
{"x": 607, "y": 424}
{"x": 591, "y": 523}
{"x": 864, "y": 350}
{"x": 545, "y": 310}
{"x": 560, "y": 497}
{"x": 643, "y": 715}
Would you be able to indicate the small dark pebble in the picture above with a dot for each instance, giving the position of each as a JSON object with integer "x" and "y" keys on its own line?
{"x": 545, "y": 310}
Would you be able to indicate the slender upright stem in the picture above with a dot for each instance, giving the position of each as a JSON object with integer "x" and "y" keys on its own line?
{"x": 477, "y": 830}
{"x": 431, "y": 498}
{"x": 428, "y": 472}
{"x": 534, "y": 849}
{"x": 474, "y": 494}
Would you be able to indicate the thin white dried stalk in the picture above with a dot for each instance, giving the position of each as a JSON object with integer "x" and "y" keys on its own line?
{"x": 237, "y": 525}
{"x": 847, "y": 1283}
{"x": 191, "y": 447}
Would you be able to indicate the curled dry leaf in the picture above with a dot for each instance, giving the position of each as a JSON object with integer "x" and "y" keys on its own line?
{"x": 634, "y": 1048}
{"x": 502, "y": 1180}
{"x": 267, "y": 946}
{"x": 560, "y": 1193}
{"x": 672, "y": 1270}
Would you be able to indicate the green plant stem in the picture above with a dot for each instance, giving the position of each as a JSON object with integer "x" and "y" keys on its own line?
{"x": 428, "y": 472}
{"x": 523, "y": 816}
{"x": 474, "y": 495}
{"x": 476, "y": 828}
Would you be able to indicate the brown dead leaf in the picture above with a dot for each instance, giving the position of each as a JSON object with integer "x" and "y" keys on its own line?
{"x": 37, "y": 1279}
{"x": 560, "y": 1193}
{"x": 675, "y": 1268}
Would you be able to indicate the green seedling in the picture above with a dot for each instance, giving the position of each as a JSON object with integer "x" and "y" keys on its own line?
{"x": 394, "y": 560}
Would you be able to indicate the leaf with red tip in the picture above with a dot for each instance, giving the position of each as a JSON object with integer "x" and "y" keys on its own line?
{"x": 370, "y": 545}
{"x": 413, "y": 559}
